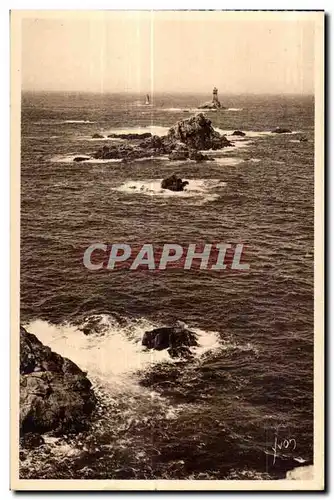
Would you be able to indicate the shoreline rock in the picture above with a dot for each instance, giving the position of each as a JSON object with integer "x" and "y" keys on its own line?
{"x": 55, "y": 394}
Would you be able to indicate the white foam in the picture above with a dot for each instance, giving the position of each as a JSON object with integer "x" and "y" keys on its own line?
{"x": 228, "y": 160}
{"x": 70, "y": 159}
{"x": 234, "y": 109}
{"x": 98, "y": 139}
{"x": 77, "y": 121}
{"x": 60, "y": 122}
{"x": 195, "y": 188}
{"x": 114, "y": 356}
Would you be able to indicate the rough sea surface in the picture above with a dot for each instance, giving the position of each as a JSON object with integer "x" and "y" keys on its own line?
{"x": 250, "y": 384}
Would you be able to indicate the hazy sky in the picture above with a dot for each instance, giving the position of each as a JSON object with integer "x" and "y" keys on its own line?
{"x": 175, "y": 51}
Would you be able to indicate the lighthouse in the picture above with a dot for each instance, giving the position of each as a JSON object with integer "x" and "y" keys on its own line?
{"x": 215, "y": 99}
{"x": 214, "y": 104}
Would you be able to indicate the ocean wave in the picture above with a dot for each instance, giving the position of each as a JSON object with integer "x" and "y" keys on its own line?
{"x": 99, "y": 139}
{"x": 196, "y": 188}
{"x": 60, "y": 122}
{"x": 112, "y": 353}
{"x": 234, "y": 109}
{"x": 70, "y": 159}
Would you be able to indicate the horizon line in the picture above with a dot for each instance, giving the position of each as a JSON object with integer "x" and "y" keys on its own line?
{"x": 125, "y": 92}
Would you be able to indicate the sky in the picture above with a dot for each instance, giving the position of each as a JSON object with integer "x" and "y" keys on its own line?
{"x": 183, "y": 51}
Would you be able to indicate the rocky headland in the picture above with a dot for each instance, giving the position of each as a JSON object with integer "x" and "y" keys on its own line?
{"x": 55, "y": 394}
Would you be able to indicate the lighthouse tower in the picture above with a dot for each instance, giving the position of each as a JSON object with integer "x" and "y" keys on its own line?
{"x": 215, "y": 97}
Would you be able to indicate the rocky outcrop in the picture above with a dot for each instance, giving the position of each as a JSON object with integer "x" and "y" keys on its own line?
{"x": 177, "y": 340}
{"x": 97, "y": 136}
{"x": 211, "y": 105}
{"x": 189, "y": 135}
{"x": 281, "y": 130}
{"x": 55, "y": 394}
{"x": 198, "y": 133}
{"x": 144, "y": 135}
{"x": 239, "y": 133}
{"x": 174, "y": 183}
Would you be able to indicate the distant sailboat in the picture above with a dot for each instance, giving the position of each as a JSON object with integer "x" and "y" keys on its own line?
{"x": 147, "y": 102}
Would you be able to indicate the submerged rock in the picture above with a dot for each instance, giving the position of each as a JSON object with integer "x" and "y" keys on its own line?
{"x": 197, "y": 156}
{"x": 55, "y": 394}
{"x": 281, "y": 130}
{"x": 81, "y": 158}
{"x": 179, "y": 155}
{"x": 239, "y": 133}
{"x": 174, "y": 183}
{"x": 177, "y": 340}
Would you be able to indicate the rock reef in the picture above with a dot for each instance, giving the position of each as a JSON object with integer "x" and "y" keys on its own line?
{"x": 184, "y": 140}
{"x": 55, "y": 394}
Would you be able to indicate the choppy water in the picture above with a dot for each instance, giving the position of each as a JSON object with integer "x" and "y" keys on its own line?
{"x": 215, "y": 416}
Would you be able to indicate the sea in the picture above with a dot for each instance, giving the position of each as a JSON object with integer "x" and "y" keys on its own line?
{"x": 242, "y": 407}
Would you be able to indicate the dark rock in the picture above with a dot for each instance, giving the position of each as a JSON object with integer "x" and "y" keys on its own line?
{"x": 198, "y": 133}
{"x": 281, "y": 130}
{"x": 55, "y": 394}
{"x": 239, "y": 133}
{"x": 144, "y": 135}
{"x": 197, "y": 156}
{"x": 81, "y": 158}
{"x": 194, "y": 133}
{"x": 177, "y": 340}
{"x": 210, "y": 105}
{"x": 97, "y": 136}
{"x": 174, "y": 183}
{"x": 303, "y": 139}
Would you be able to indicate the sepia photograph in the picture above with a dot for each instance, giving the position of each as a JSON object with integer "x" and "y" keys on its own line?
{"x": 167, "y": 250}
